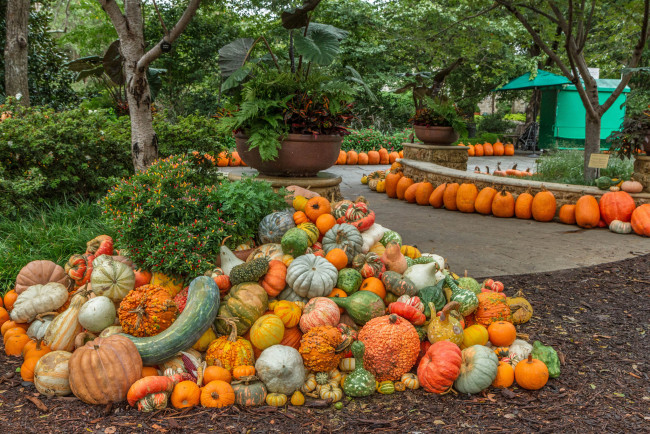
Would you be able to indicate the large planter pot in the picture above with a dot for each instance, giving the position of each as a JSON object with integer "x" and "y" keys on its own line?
{"x": 301, "y": 155}
{"x": 440, "y": 136}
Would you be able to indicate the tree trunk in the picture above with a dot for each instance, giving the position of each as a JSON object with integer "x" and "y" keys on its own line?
{"x": 533, "y": 106}
{"x": 592, "y": 145}
{"x": 16, "y": 50}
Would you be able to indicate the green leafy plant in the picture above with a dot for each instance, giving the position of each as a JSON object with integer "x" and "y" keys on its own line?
{"x": 275, "y": 96}
{"x": 173, "y": 216}
{"x": 440, "y": 113}
{"x": 371, "y": 139}
{"x": 567, "y": 167}
{"x": 495, "y": 124}
{"x": 634, "y": 137}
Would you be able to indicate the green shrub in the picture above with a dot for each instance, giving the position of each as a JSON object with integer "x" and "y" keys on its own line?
{"x": 53, "y": 232}
{"x": 568, "y": 167}
{"x": 495, "y": 124}
{"x": 173, "y": 216}
{"x": 370, "y": 139}
{"x": 520, "y": 117}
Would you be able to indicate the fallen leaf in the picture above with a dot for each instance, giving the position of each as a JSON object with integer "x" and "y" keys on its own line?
{"x": 438, "y": 422}
{"x": 110, "y": 430}
{"x": 37, "y": 402}
{"x": 508, "y": 393}
{"x": 509, "y": 416}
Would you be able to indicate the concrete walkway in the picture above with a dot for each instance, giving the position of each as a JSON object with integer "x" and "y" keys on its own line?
{"x": 488, "y": 246}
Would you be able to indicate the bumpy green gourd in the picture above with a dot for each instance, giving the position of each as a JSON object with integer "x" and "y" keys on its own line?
{"x": 295, "y": 242}
{"x": 349, "y": 280}
{"x": 421, "y": 260}
{"x": 549, "y": 356}
{"x": 467, "y": 299}
{"x": 362, "y": 306}
{"x": 359, "y": 382}
{"x": 249, "y": 271}
{"x": 470, "y": 284}
{"x": 390, "y": 236}
{"x": 432, "y": 294}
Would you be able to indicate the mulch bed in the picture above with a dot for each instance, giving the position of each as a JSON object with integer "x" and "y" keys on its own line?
{"x": 596, "y": 317}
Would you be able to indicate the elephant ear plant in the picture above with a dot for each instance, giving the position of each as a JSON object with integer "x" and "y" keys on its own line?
{"x": 276, "y": 95}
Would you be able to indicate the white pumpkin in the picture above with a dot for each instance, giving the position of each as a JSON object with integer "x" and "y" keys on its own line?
{"x": 111, "y": 278}
{"x": 38, "y": 299}
{"x": 312, "y": 276}
{"x": 518, "y": 351}
{"x": 51, "y": 374}
{"x": 371, "y": 236}
{"x": 620, "y": 227}
{"x": 423, "y": 275}
{"x": 281, "y": 369}
{"x": 38, "y": 328}
{"x": 97, "y": 313}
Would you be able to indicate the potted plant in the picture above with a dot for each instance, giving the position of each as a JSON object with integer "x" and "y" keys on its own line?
{"x": 289, "y": 114}
{"x": 437, "y": 123}
{"x": 634, "y": 137}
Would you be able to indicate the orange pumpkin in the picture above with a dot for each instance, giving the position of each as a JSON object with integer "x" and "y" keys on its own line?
{"x": 488, "y": 150}
{"x": 243, "y": 372}
{"x": 186, "y": 394}
{"x": 217, "y": 394}
{"x": 483, "y": 203}
{"x": 401, "y": 154}
{"x": 404, "y": 183}
{"x": 423, "y": 193}
{"x": 235, "y": 159}
{"x": 544, "y": 206}
{"x": 375, "y": 285}
{"x": 343, "y": 157}
{"x": 503, "y": 205}
{"x": 274, "y": 281}
{"x": 338, "y": 258}
{"x": 353, "y": 157}
{"x": 505, "y": 376}
{"x": 363, "y": 159}
{"x": 392, "y": 157}
{"x": 383, "y": 156}
{"x": 524, "y": 206}
{"x": 222, "y": 159}
{"x": 149, "y": 371}
{"x": 27, "y": 369}
{"x": 317, "y": 206}
{"x": 9, "y": 299}
{"x": 373, "y": 157}
{"x": 641, "y": 220}
{"x": 502, "y": 333}
{"x": 325, "y": 222}
{"x": 499, "y": 149}
{"x": 215, "y": 372}
{"x": 531, "y": 374}
{"x": 292, "y": 337}
{"x": 587, "y": 212}
{"x": 300, "y": 217}
{"x": 391, "y": 184}
{"x": 409, "y": 194}
{"x": 11, "y": 325}
{"x": 465, "y": 197}
{"x": 449, "y": 196}
{"x": 568, "y": 214}
{"x": 478, "y": 150}
{"x": 4, "y": 316}
{"x": 509, "y": 149}
{"x": 14, "y": 345}
{"x": 15, "y": 331}
{"x": 470, "y": 150}
{"x": 436, "y": 199}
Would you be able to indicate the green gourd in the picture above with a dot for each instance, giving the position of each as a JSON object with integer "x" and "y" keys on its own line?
{"x": 349, "y": 280}
{"x": 362, "y": 306}
{"x": 547, "y": 355}
{"x": 359, "y": 382}
{"x": 421, "y": 260}
{"x": 295, "y": 242}
{"x": 469, "y": 283}
{"x": 390, "y": 236}
{"x": 249, "y": 271}
{"x": 432, "y": 294}
{"x": 397, "y": 284}
{"x": 467, "y": 300}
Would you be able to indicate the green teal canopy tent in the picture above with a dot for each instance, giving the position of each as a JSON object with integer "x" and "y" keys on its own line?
{"x": 541, "y": 79}
{"x": 562, "y": 114}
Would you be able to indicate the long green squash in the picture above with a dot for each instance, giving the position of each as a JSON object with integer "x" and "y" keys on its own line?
{"x": 199, "y": 314}
{"x": 362, "y": 306}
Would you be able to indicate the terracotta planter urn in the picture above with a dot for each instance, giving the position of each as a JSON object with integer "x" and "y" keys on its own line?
{"x": 301, "y": 155}
{"x": 439, "y": 136}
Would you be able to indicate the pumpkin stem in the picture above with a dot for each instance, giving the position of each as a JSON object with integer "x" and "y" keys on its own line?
{"x": 465, "y": 273}
{"x": 392, "y": 318}
{"x": 233, "y": 327}
{"x": 40, "y": 316}
{"x": 214, "y": 395}
{"x": 452, "y": 305}
{"x": 140, "y": 312}
{"x": 530, "y": 358}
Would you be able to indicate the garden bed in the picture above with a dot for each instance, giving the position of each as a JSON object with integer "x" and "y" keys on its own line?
{"x": 602, "y": 386}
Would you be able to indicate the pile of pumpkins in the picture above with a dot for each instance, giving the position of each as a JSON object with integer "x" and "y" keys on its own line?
{"x": 486, "y": 149}
{"x": 381, "y": 156}
{"x": 325, "y": 303}
{"x": 615, "y": 209}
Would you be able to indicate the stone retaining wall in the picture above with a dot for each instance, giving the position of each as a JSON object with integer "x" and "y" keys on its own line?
{"x": 642, "y": 171}
{"x": 564, "y": 193}
{"x": 454, "y": 157}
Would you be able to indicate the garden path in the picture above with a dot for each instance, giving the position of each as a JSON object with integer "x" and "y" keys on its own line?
{"x": 488, "y": 246}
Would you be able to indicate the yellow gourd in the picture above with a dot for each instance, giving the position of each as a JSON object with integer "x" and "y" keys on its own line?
{"x": 474, "y": 335}
{"x": 445, "y": 327}
{"x": 297, "y": 398}
{"x": 381, "y": 186}
{"x": 299, "y": 203}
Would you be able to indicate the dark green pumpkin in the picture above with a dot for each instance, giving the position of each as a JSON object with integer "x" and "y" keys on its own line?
{"x": 274, "y": 226}
{"x": 362, "y": 306}
{"x": 249, "y": 393}
{"x": 295, "y": 242}
{"x": 249, "y": 271}
{"x": 349, "y": 280}
{"x": 398, "y": 284}
{"x": 433, "y": 294}
{"x": 245, "y": 302}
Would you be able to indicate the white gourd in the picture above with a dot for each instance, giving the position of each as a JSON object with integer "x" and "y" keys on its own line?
{"x": 311, "y": 276}
{"x": 38, "y": 328}
{"x": 281, "y": 369}
{"x": 97, "y": 313}
{"x": 65, "y": 327}
{"x": 437, "y": 258}
{"x": 111, "y": 278}
{"x": 38, "y": 299}
{"x": 228, "y": 260}
{"x": 518, "y": 351}
{"x": 371, "y": 236}
{"x": 423, "y": 275}
{"x": 51, "y": 374}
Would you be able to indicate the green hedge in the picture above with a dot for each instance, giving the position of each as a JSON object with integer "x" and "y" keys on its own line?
{"x": 370, "y": 139}
{"x": 46, "y": 156}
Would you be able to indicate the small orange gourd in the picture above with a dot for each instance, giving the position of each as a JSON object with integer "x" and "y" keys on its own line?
{"x": 587, "y": 212}
{"x": 215, "y": 372}
{"x": 186, "y": 394}
{"x": 505, "y": 376}
{"x": 409, "y": 194}
{"x": 531, "y": 374}
{"x": 568, "y": 214}
{"x": 217, "y": 394}
{"x": 391, "y": 184}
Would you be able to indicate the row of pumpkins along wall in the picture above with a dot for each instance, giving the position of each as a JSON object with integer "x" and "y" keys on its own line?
{"x": 615, "y": 210}
{"x": 329, "y": 304}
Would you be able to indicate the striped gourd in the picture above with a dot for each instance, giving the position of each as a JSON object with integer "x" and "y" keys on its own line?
{"x": 65, "y": 326}
{"x": 386, "y": 387}
{"x": 51, "y": 374}
{"x": 312, "y": 231}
